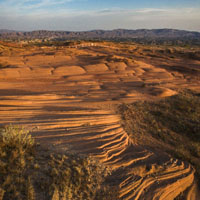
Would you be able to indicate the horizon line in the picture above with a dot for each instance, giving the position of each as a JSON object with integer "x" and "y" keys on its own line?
{"x": 89, "y": 30}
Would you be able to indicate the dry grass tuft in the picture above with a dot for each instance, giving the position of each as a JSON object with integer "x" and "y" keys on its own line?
{"x": 16, "y": 157}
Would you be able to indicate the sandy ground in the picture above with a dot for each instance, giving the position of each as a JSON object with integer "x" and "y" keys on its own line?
{"x": 67, "y": 98}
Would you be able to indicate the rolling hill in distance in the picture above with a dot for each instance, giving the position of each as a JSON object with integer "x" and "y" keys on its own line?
{"x": 101, "y": 34}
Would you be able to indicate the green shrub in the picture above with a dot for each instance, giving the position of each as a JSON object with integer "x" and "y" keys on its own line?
{"x": 16, "y": 156}
{"x": 71, "y": 177}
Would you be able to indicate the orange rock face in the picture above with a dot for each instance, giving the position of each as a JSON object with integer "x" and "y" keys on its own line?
{"x": 70, "y": 97}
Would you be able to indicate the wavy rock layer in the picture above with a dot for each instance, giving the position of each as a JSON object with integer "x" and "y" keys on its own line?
{"x": 69, "y": 104}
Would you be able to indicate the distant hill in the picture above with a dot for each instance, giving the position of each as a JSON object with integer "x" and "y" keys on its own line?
{"x": 102, "y": 34}
{"x": 4, "y": 31}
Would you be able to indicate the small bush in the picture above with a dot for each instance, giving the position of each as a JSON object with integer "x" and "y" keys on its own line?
{"x": 70, "y": 177}
{"x": 16, "y": 156}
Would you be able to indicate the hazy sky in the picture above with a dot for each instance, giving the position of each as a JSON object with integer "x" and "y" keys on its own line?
{"x": 80, "y": 15}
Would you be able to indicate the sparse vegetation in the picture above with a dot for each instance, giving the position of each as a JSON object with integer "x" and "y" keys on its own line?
{"x": 29, "y": 172}
{"x": 172, "y": 124}
{"x": 16, "y": 157}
